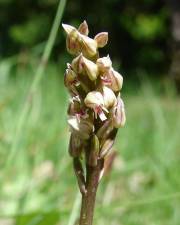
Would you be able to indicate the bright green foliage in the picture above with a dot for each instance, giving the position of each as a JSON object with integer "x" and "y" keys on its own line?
{"x": 30, "y": 32}
{"x": 145, "y": 27}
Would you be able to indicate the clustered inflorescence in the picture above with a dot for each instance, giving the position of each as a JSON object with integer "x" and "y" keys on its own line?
{"x": 96, "y": 109}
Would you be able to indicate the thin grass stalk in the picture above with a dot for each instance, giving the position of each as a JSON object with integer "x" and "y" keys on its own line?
{"x": 37, "y": 78}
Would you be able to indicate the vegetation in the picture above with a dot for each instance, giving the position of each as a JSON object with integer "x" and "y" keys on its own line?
{"x": 39, "y": 185}
{"x": 36, "y": 178}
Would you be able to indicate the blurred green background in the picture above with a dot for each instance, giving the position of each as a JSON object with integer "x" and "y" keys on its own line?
{"x": 37, "y": 182}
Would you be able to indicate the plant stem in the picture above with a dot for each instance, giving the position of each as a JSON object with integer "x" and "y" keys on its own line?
{"x": 89, "y": 198}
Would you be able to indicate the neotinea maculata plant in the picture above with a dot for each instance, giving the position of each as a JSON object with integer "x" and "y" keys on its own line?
{"x": 95, "y": 112}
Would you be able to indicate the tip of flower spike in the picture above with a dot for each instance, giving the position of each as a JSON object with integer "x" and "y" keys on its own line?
{"x": 68, "y": 28}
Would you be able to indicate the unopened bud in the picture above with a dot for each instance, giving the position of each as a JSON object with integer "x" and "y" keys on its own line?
{"x": 69, "y": 77}
{"x": 118, "y": 114}
{"x": 73, "y": 108}
{"x": 89, "y": 46}
{"x": 106, "y": 147}
{"x": 83, "y": 128}
{"x": 101, "y": 39}
{"x": 77, "y": 64}
{"x": 109, "y": 97}
{"x": 94, "y": 151}
{"x": 75, "y": 146}
{"x": 73, "y": 46}
{"x": 105, "y": 130}
{"x": 90, "y": 68}
{"x": 104, "y": 64}
{"x": 83, "y": 28}
{"x": 72, "y": 40}
{"x": 115, "y": 78}
{"x": 68, "y": 28}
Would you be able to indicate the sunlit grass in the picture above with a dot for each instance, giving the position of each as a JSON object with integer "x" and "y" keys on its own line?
{"x": 40, "y": 187}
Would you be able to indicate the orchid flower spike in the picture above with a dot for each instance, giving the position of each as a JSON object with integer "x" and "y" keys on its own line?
{"x": 96, "y": 110}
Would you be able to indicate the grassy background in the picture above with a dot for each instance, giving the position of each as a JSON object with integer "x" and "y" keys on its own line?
{"x": 37, "y": 183}
{"x": 38, "y": 186}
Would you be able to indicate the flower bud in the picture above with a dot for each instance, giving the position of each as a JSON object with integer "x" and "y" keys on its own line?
{"x": 83, "y": 28}
{"x": 72, "y": 40}
{"x": 89, "y": 46}
{"x": 94, "y": 100}
{"x": 83, "y": 128}
{"x": 118, "y": 114}
{"x": 105, "y": 130}
{"x": 68, "y": 28}
{"x": 77, "y": 64}
{"x": 101, "y": 39}
{"x": 94, "y": 151}
{"x": 115, "y": 78}
{"x": 74, "y": 107}
{"x": 73, "y": 46}
{"x": 104, "y": 64}
{"x": 109, "y": 97}
{"x": 71, "y": 81}
{"x": 69, "y": 77}
{"x": 75, "y": 146}
{"x": 106, "y": 147}
{"x": 90, "y": 68}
